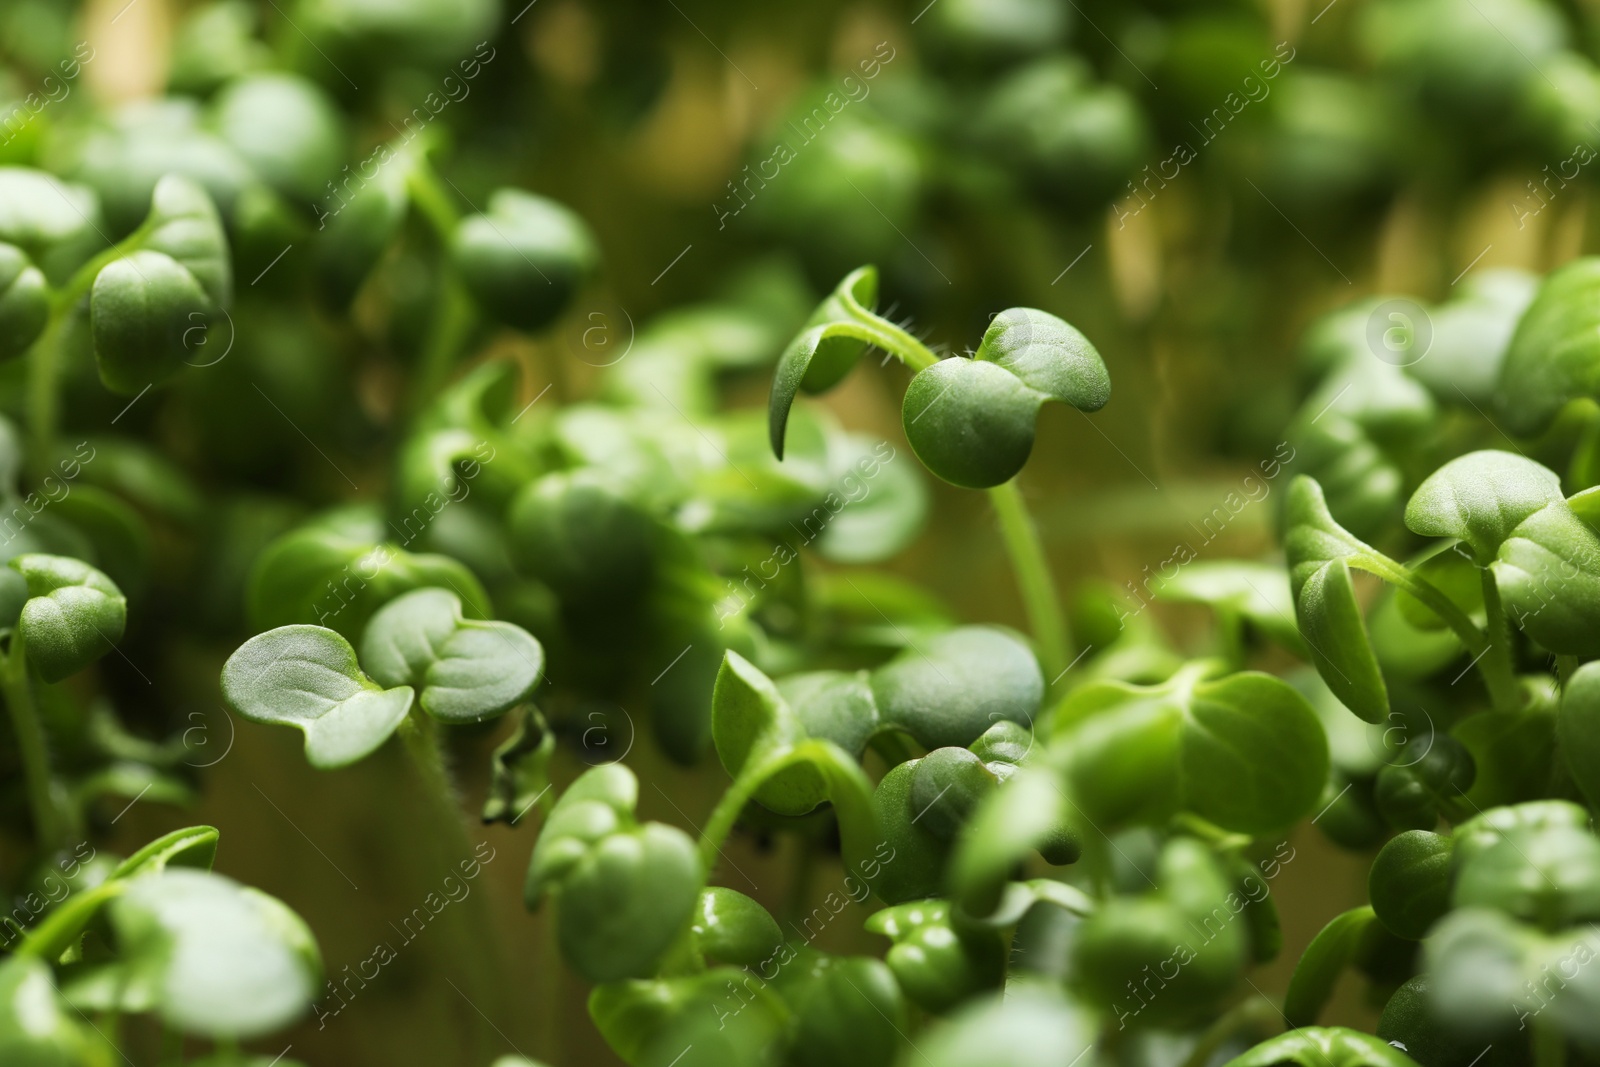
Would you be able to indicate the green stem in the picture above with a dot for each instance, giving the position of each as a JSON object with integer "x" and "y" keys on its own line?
{"x": 420, "y": 735}
{"x": 552, "y": 1011}
{"x": 1034, "y": 580}
{"x": 31, "y": 743}
{"x": 1028, "y": 561}
{"x": 453, "y": 314}
{"x": 44, "y": 367}
{"x": 1549, "y": 1049}
{"x": 1498, "y": 672}
{"x": 44, "y": 358}
{"x": 453, "y": 318}
{"x": 1497, "y": 676}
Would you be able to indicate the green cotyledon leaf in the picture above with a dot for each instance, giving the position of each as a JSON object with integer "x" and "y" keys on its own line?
{"x": 150, "y": 311}
{"x": 971, "y": 421}
{"x": 625, "y": 891}
{"x": 1548, "y": 574}
{"x": 24, "y": 301}
{"x": 525, "y": 258}
{"x": 464, "y": 670}
{"x": 307, "y": 677}
{"x": 1325, "y": 605}
{"x": 825, "y": 350}
{"x": 1555, "y": 351}
{"x": 1245, "y": 751}
{"x": 184, "y": 935}
{"x": 1480, "y": 498}
{"x": 1323, "y": 1046}
{"x": 74, "y": 614}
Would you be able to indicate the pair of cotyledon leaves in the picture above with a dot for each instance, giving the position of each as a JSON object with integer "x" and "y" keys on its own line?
{"x": 626, "y": 891}
{"x": 211, "y": 957}
{"x": 308, "y": 677}
{"x": 152, "y": 306}
{"x": 67, "y": 613}
{"x": 970, "y": 421}
{"x": 795, "y": 744}
{"x": 523, "y": 260}
{"x": 1509, "y": 515}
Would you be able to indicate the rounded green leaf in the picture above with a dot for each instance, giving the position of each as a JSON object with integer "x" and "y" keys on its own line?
{"x": 525, "y": 258}
{"x": 146, "y": 312}
{"x": 970, "y": 422}
{"x": 825, "y": 349}
{"x": 1049, "y": 356}
{"x": 834, "y": 706}
{"x": 948, "y": 689}
{"x": 1411, "y": 1021}
{"x": 1480, "y": 498}
{"x": 73, "y": 616}
{"x": 1323, "y": 1046}
{"x": 1578, "y": 726}
{"x": 307, "y": 677}
{"x": 732, "y": 928}
{"x": 1325, "y": 602}
{"x": 35, "y": 1031}
{"x": 1555, "y": 351}
{"x": 598, "y": 803}
{"x": 38, "y": 209}
{"x": 1415, "y": 795}
{"x": 1550, "y": 878}
{"x": 1246, "y": 751}
{"x": 937, "y": 963}
{"x": 1489, "y": 828}
{"x": 337, "y": 569}
{"x": 183, "y": 223}
{"x": 220, "y": 960}
{"x": 356, "y": 233}
{"x": 1032, "y": 1024}
{"x": 464, "y": 670}
{"x": 625, "y": 903}
{"x": 24, "y": 302}
{"x": 1189, "y": 930}
{"x": 584, "y": 538}
{"x": 1491, "y": 973}
{"x": 286, "y": 128}
{"x": 848, "y": 1011}
{"x": 1409, "y": 884}
{"x": 1548, "y": 574}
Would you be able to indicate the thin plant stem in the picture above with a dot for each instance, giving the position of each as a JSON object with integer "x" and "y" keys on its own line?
{"x": 1028, "y": 561}
{"x": 31, "y": 744}
{"x": 420, "y": 735}
{"x": 44, "y": 357}
{"x": 1034, "y": 580}
{"x": 1496, "y": 665}
{"x": 1497, "y": 676}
